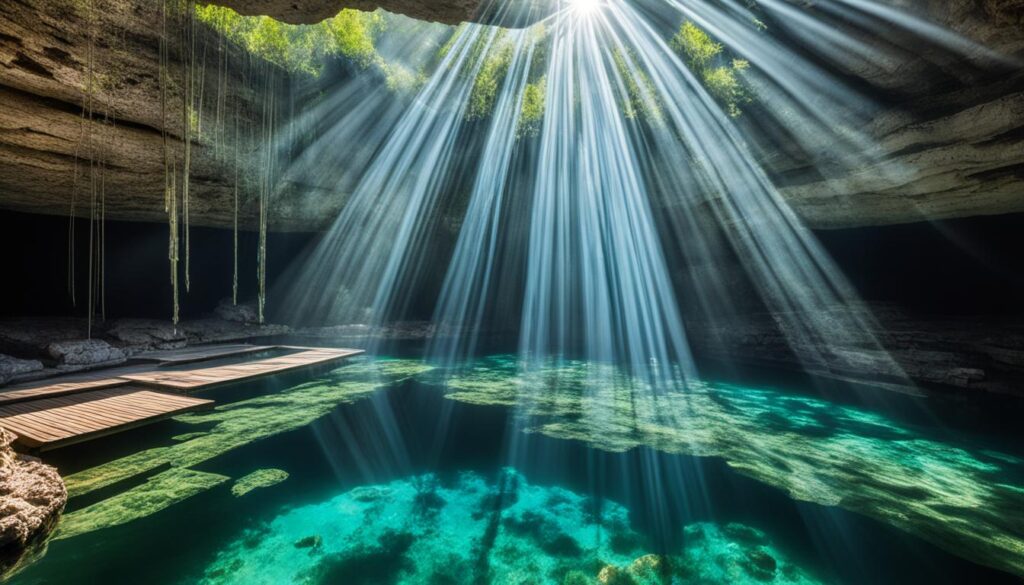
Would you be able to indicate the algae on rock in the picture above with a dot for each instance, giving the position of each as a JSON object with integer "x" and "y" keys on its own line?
{"x": 227, "y": 427}
{"x": 260, "y": 478}
{"x": 969, "y": 502}
{"x": 161, "y": 491}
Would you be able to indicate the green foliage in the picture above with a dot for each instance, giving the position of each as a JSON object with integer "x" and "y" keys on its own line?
{"x": 353, "y": 33}
{"x": 532, "y": 111}
{"x": 705, "y": 57}
{"x": 349, "y": 34}
{"x": 485, "y": 88}
{"x": 399, "y": 78}
{"x": 446, "y": 48}
{"x": 695, "y": 44}
{"x": 641, "y": 100}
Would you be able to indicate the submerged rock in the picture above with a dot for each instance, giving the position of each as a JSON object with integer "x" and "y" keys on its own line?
{"x": 968, "y": 501}
{"x": 227, "y": 427}
{"x": 158, "y": 493}
{"x": 383, "y": 540}
{"x": 313, "y": 542}
{"x": 260, "y": 478}
{"x": 32, "y": 496}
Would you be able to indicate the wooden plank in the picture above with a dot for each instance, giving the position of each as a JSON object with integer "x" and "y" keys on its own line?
{"x": 202, "y": 353}
{"x": 49, "y": 423}
{"x": 186, "y": 380}
{"x": 59, "y": 389}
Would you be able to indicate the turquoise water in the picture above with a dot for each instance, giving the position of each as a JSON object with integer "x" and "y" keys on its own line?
{"x": 391, "y": 470}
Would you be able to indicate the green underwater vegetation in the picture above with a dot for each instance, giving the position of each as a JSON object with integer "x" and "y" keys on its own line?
{"x": 969, "y": 502}
{"x": 225, "y": 428}
{"x": 260, "y": 478}
{"x": 159, "y": 492}
{"x": 421, "y": 530}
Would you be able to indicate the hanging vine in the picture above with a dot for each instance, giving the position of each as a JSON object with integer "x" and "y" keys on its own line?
{"x": 87, "y": 148}
{"x": 170, "y": 189}
{"x": 188, "y": 97}
{"x": 234, "y": 274}
{"x": 266, "y": 186}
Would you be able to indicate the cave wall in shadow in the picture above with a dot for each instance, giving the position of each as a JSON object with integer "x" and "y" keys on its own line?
{"x": 958, "y": 267}
{"x": 35, "y": 267}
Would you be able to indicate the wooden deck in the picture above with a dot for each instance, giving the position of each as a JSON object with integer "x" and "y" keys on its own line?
{"x": 49, "y": 423}
{"x": 199, "y": 354}
{"x": 59, "y": 389}
{"x": 189, "y": 380}
{"x": 94, "y": 404}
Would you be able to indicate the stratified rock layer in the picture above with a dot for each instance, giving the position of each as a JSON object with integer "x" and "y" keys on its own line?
{"x": 51, "y": 69}
{"x": 958, "y": 151}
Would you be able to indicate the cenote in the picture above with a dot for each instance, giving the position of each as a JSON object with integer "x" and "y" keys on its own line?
{"x": 391, "y": 470}
{"x": 568, "y": 292}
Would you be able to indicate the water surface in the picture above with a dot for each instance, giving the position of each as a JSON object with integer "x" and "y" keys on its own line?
{"x": 392, "y": 470}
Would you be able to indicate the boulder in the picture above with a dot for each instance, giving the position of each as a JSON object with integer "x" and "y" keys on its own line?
{"x": 86, "y": 352}
{"x": 145, "y": 334}
{"x": 32, "y": 497}
{"x": 12, "y": 367}
{"x": 240, "y": 313}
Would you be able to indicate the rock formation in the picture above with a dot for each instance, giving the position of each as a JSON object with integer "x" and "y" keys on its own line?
{"x": 56, "y": 57}
{"x": 960, "y": 146}
{"x": 949, "y": 353}
{"x": 32, "y": 496}
{"x": 12, "y": 367}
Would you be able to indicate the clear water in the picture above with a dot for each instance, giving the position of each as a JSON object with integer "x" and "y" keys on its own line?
{"x": 388, "y": 470}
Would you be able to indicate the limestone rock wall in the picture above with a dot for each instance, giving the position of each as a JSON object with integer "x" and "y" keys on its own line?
{"x": 969, "y": 353}
{"x": 958, "y": 148}
{"x": 57, "y": 57}
{"x": 32, "y": 497}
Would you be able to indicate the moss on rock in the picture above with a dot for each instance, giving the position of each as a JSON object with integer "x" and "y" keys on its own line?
{"x": 260, "y": 478}
{"x": 968, "y": 501}
{"x": 158, "y": 493}
{"x": 229, "y": 427}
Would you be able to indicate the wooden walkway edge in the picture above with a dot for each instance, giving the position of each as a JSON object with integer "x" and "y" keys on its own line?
{"x": 59, "y": 389}
{"x": 199, "y": 354}
{"x": 49, "y": 423}
{"x": 190, "y": 380}
{"x": 55, "y": 415}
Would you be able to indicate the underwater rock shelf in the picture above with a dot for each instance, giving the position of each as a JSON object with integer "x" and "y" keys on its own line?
{"x": 56, "y": 415}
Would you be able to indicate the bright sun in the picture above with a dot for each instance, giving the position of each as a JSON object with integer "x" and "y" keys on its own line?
{"x": 584, "y": 6}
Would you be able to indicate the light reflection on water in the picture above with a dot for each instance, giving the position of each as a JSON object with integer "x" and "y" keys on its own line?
{"x": 304, "y": 447}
